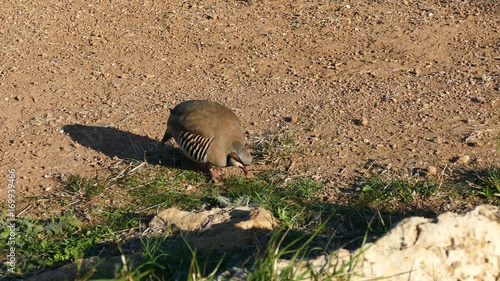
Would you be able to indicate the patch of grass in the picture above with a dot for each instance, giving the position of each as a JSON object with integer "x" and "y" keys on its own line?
{"x": 295, "y": 251}
{"x": 275, "y": 146}
{"x": 487, "y": 183}
{"x": 85, "y": 187}
{"x": 189, "y": 190}
{"x": 287, "y": 199}
{"x": 122, "y": 218}
{"x": 173, "y": 259}
{"x": 285, "y": 258}
{"x": 42, "y": 243}
{"x": 393, "y": 194}
{"x": 166, "y": 190}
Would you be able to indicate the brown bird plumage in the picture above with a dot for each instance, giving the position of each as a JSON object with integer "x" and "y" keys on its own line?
{"x": 209, "y": 133}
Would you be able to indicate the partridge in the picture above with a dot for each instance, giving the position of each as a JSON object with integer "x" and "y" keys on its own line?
{"x": 208, "y": 133}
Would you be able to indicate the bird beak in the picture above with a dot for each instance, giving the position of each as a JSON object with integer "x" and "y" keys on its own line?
{"x": 236, "y": 161}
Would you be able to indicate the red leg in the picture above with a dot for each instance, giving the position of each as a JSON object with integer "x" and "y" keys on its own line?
{"x": 214, "y": 175}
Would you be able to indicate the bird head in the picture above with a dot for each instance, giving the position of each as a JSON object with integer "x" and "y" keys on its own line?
{"x": 240, "y": 157}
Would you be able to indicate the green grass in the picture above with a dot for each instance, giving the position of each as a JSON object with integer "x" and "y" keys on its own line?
{"x": 107, "y": 216}
{"x": 391, "y": 194}
{"x": 86, "y": 187}
{"x": 44, "y": 243}
{"x": 287, "y": 199}
{"x": 487, "y": 183}
{"x": 162, "y": 187}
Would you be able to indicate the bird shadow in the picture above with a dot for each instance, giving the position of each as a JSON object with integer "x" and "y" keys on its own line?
{"x": 120, "y": 144}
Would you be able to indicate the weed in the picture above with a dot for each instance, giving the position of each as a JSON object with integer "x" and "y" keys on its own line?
{"x": 487, "y": 183}
{"x": 275, "y": 146}
{"x": 85, "y": 187}
{"x": 393, "y": 194}
{"x": 287, "y": 199}
{"x": 55, "y": 241}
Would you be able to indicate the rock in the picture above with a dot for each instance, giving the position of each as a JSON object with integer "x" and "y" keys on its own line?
{"x": 438, "y": 140}
{"x": 476, "y": 138}
{"x": 431, "y": 171}
{"x": 361, "y": 122}
{"x": 464, "y": 159}
{"x": 477, "y": 99}
{"x": 226, "y": 228}
{"x": 450, "y": 247}
{"x": 291, "y": 119}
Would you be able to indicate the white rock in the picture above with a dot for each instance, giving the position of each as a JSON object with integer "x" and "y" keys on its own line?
{"x": 451, "y": 247}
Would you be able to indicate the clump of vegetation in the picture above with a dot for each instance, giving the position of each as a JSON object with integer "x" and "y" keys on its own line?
{"x": 392, "y": 195}
{"x": 106, "y": 216}
{"x": 45, "y": 243}
{"x": 487, "y": 183}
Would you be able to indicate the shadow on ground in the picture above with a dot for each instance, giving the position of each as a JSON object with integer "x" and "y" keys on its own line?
{"x": 126, "y": 145}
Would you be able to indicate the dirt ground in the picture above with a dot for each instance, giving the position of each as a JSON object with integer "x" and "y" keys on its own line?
{"x": 403, "y": 84}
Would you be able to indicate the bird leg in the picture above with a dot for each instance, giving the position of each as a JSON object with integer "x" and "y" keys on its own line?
{"x": 214, "y": 175}
{"x": 211, "y": 171}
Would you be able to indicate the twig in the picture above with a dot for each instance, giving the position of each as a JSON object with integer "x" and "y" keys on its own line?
{"x": 147, "y": 208}
{"x": 142, "y": 164}
{"x": 74, "y": 202}
{"x": 24, "y": 210}
{"x": 122, "y": 172}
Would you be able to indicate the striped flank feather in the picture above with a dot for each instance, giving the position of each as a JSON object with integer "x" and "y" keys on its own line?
{"x": 195, "y": 146}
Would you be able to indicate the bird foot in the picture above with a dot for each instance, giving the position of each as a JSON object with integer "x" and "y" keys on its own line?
{"x": 214, "y": 176}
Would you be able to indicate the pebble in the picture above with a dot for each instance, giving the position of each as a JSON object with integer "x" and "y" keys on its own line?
{"x": 364, "y": 121}
{"x": 431, "y": 171}
{"x": 464, "y": 159}
{"x": 291, "y": 119}
{"x": 438, "y": 140}
{"x": 361, "y": 122}
{"x": 477, "y": 99}
{"x": 461, "y": 159}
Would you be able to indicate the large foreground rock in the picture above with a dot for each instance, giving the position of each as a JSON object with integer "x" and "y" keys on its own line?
{"x": 450, "y": 247}
{"x": 224, "y": 229}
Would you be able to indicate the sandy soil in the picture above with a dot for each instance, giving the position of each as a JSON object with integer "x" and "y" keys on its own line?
{"x": 403, "y": 84}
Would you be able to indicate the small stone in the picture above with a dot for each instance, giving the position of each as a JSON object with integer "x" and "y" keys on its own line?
{"x": 361, "y": 122}
{"x": 291, "y": 119}
{"x": 415, "y": 71}
{"x": 364, "y": 121}
{"x": 461, "y": 159}
{"x": 477, "y": 99}
{"x": 475, "y": 138}
{"x": 439, "y": 140}
{"x": 431, "y": 171}
{"x": 464, "y": 159}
